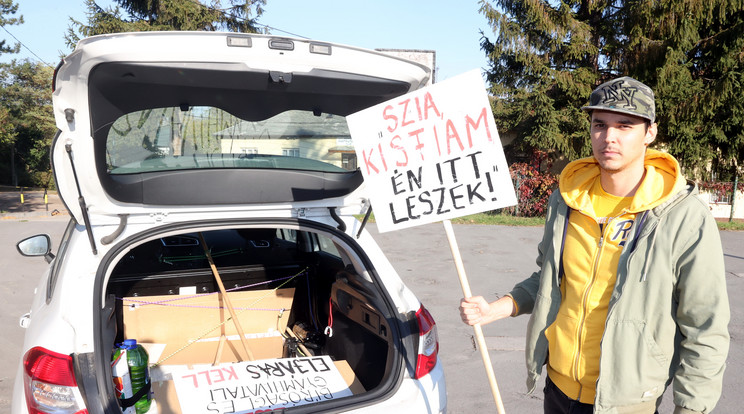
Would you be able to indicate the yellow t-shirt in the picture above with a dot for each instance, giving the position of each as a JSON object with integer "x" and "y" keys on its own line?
{"x": 607, "y": 206}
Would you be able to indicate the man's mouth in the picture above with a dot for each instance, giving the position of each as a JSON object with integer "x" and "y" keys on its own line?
{"x": 609, "y": 152}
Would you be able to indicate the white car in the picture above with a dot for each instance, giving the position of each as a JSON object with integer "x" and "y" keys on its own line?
{"x": 218, "y": 218}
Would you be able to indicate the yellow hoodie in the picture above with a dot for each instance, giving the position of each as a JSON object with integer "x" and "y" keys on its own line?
{"x": 596, "y": 235}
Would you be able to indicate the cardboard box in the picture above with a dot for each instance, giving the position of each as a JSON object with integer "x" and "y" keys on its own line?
{"x": 190, "y": 326}
{"x": 188, "y": 330}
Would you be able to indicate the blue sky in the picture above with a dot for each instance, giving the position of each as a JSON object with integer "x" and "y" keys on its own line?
{"x": 450, "y": 28}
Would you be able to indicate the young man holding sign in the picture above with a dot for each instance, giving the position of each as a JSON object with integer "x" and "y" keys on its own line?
{"x": 631, "y": 291}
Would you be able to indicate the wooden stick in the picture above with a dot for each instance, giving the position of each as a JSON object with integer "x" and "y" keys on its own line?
{"x": 223, "y": 338}
{"x": 477, "y": 328}
{"x": 220, "y": 347}
{"x": 230, "y": 308}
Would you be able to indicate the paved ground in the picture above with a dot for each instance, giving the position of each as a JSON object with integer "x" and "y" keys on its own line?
{"x": 34, "y": 204}
{"x": 495, "y": 258}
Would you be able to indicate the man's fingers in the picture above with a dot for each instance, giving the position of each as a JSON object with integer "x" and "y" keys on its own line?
{"x": 472, "y": 301}
{"x": 471, "y": 309}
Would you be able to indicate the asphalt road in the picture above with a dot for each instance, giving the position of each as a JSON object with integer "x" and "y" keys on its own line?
{"x": 495, "y": 258}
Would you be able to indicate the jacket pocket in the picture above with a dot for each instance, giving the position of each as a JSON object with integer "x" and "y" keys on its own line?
{"x": 536, "y": 350}
{"x": 652, "y": 347}
{"x": 635, "y": 359}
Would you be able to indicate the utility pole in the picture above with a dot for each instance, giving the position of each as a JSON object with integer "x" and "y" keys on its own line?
{"x": 734, "y": 191}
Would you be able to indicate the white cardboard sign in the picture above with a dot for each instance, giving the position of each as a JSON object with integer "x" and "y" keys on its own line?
{"x": 432, "y": 154}
{"x": 249, "y": 387}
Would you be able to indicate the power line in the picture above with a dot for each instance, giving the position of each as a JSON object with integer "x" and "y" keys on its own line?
{"x": 27, "y": 48}
{"x": 280, "y": 30}
{"x": 228, "y": 13}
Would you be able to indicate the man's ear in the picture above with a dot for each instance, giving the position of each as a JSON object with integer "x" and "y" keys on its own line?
{"x": 650, "y": 134}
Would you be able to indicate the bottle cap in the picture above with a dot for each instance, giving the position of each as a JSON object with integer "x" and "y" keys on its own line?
{"x": 129, "y": 344}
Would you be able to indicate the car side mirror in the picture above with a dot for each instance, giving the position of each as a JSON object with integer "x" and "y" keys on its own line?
{"x": 38, "y": 245}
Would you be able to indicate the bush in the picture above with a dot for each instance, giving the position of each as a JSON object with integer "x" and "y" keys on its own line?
{"x": 719, "y": 187}
{"x": 533, "y": 187}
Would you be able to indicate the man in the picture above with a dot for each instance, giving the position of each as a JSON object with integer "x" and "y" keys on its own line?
{"x": 631, "y": 291}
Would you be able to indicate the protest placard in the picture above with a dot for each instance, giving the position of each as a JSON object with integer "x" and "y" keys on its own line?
{"x": 249, "y": 387}
{"x": 432, "y": 154}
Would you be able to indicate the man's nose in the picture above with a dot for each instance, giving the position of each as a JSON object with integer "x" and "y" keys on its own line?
{"x": 610, "y": 134}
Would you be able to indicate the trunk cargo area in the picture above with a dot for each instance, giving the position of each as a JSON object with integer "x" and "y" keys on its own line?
{"x": 303, "y": 314}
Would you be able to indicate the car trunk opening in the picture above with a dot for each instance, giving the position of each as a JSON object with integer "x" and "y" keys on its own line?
{"x": 297, "y": 294}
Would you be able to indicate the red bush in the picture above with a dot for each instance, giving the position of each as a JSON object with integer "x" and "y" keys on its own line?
{"x": 533, "y": 187}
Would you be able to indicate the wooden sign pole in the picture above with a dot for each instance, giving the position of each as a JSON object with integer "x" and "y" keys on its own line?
{"x": 481, "y": 341}
{"x": 230, "y": 308}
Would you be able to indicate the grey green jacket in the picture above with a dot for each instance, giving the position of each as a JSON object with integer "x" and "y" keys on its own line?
{"x": 668, "y": 314}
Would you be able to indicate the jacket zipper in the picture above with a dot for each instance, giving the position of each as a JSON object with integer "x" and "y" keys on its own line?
{"x": 585, "y": 300}
{"x": 639, "y": 227}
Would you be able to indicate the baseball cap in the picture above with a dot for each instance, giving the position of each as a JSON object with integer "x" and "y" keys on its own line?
{"x": 625, "y": 95}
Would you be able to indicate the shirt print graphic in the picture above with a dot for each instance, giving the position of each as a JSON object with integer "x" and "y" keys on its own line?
{"x": 619, "y": 231}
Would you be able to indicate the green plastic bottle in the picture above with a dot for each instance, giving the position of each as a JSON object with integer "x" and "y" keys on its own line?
{"x": 137, "y": 360}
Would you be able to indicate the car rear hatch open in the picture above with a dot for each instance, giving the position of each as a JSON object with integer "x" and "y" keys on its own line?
{"x": 172, "y": 123}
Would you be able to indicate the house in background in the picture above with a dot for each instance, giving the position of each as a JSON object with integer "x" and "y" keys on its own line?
{"x": 720, "y": 203}
{"x": 323, "y": 137}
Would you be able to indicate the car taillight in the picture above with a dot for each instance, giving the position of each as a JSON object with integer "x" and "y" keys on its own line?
{"x": 50, "y": 384}
{"x": 428, "y": 343}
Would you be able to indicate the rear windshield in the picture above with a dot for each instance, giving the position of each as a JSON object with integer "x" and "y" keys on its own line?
{"x": 168, "y": 139}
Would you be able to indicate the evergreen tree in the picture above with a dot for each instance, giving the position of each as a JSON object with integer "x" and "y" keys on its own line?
{"x": 547, "y": 57}
{"x": 146, "y": 15}
{"x": 8, "y": 8}
{"x": 26, "y": 113}
{"x": 697, "y": 52}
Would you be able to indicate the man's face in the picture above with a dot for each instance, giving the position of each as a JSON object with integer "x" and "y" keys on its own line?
{"x": 619, "y": 141}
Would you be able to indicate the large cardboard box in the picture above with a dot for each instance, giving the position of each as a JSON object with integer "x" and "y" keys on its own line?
{"x": 189, "y": 330}
{"x": 190, "y": 326}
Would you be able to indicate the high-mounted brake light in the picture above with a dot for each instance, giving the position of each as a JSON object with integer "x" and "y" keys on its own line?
{"x": 428, "y": 343}
{"x": 49, "y": 382}
{"x": 239, "y": 41}
{"x": 320, "y": 48}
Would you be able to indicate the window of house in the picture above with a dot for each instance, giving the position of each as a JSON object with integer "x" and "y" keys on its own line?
{"x": 291, "y": 152}
{"x": 349, "y": 161}
{"x": 720, "y": 197}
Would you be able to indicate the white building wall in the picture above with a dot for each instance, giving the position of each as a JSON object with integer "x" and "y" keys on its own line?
{"x": 723, "y": 210}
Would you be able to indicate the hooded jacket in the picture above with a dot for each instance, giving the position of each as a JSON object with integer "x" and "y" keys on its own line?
{"x": 665, "y": 313}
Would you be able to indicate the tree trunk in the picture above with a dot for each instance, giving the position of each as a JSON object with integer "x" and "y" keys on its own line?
{"x": 13, "y": 174}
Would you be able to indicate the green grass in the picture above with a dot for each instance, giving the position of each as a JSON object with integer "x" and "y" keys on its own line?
{"x": 507, "y": 220}
{"x": 487, "y": 218}
{"x": 499, "y": 219}
{"x": 735, "y": 225}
